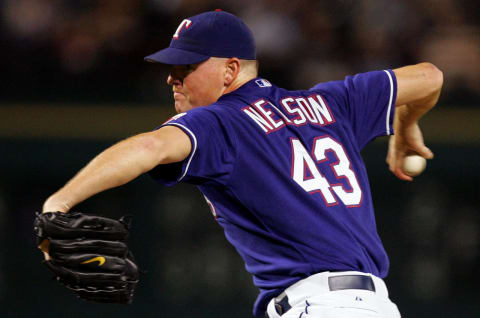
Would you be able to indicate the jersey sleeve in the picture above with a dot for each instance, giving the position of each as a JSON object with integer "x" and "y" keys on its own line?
{"x": 212, "y": 156}
{"x": 367, "y": 100}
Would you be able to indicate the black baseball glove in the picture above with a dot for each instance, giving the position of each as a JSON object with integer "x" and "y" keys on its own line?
{"x": 89, "y": 255}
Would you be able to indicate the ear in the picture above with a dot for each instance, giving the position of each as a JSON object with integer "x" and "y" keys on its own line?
{"x": 232, "y": 69}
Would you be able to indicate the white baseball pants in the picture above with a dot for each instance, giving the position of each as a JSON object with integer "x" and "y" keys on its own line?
{"x": 312, "y": 298}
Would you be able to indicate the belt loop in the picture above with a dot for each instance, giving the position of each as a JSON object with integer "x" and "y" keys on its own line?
{"x": 281, "y": 304}
{"x": 271, "y": 311}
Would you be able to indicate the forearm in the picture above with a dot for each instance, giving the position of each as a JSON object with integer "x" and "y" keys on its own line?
{"x": 120, "y": 164}
{"x": 113, "y": 167}
{"x": 410, "y": 113}
{"x": 419, "y": 88}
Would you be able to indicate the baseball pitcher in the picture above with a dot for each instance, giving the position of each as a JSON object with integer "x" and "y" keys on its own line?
{"x": 281, "y": 171}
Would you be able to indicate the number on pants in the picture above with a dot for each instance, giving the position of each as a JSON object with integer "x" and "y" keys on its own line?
{"x": 317, "y": 182}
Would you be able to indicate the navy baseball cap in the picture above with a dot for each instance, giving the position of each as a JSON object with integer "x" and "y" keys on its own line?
{"x": 209, "y": 34}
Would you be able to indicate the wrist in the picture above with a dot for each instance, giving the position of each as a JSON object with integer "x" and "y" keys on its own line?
{"x": 55, "y": 204}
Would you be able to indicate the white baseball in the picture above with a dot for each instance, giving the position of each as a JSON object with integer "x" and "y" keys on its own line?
{"x": 414, "y": 165}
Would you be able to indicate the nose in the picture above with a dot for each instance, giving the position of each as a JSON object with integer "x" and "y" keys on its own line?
{"x": 173, "y": 80}
{"x": 170, "y": 80}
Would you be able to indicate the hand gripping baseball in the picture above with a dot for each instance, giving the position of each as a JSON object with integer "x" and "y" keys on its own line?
{"x": 405, "y": 142}
{"x": 88, "y": 254}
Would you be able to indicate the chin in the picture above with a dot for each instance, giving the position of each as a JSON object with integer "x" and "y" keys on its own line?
{"x": 180, "y": 108}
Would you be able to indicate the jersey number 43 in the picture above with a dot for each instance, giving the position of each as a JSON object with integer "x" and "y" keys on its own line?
{"x": 306, "y": 173}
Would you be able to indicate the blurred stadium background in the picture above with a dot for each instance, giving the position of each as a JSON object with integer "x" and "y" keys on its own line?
{"x": 74, "y": 82}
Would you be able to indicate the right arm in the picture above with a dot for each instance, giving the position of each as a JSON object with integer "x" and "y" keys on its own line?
{"x": 418, "y": 90}
{"x": 120, "y": 164}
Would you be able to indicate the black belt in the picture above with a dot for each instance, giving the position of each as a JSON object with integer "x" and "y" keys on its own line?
{"x": 334, "y": 283}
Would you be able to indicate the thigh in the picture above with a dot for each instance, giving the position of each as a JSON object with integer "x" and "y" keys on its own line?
{"x": 344, "y": 304}
{"x": 341, "y": 304}
{"x": 314, "y": 311}
{"x": 388, "y": 309}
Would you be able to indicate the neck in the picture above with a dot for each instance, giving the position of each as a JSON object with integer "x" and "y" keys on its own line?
{"x": 239, "y": 81}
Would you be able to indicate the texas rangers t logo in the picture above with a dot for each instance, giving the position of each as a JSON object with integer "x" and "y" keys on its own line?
{"x": 185, "y": 23}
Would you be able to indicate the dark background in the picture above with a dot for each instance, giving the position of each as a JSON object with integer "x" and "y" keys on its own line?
{"x": 73, "y": 82}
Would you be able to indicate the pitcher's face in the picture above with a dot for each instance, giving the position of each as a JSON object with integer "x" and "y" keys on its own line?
{"x": 197, "y": 85}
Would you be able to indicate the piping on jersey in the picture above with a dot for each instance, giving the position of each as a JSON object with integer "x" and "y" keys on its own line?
{"x": 389, "y": 102}
{"x": 194, "y": 147}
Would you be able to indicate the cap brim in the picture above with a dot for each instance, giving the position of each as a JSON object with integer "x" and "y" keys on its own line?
{"x": 173, "y": 56}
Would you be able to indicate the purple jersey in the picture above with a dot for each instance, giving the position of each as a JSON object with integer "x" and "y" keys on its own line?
{"x": 282, "y": 173}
